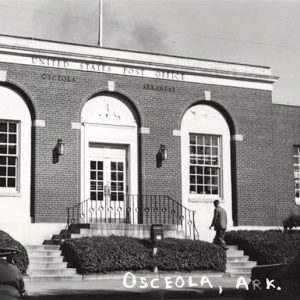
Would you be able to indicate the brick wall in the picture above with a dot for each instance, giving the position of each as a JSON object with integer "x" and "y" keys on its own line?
{"x": 286, "y": 135}
{"x": 57, "y": 185}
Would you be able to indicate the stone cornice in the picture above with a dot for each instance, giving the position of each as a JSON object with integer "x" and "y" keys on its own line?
{"x": 192, "y": 70}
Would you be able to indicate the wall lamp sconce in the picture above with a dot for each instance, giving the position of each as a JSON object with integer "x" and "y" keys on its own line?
{"x": 163, "y": 152}
{"x": 58, "y": 151}
{"x": 60, "y": 147}
{"x": 161, "y": 155}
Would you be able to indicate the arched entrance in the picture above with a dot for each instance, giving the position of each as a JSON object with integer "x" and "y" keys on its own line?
{"x": 15, "y": 157}
{"x": 206, "y": 165}
{"x": 109, "y": 147}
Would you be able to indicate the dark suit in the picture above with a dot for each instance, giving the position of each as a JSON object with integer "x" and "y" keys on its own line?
{"x": 220, "y": 224}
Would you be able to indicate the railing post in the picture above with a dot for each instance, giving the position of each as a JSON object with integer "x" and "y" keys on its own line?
{"x": 68, "y": 220}
{"x": 73, "y": 214}
{"x": 194, "y": 224}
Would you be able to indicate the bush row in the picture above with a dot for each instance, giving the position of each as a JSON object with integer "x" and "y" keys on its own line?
{"x": 189, "y": 255}
{"x": 291, "y": 222}
{"x": 266, "y": 247}
{"x": 21, "y": 259}
{"x": 110, "y": 254}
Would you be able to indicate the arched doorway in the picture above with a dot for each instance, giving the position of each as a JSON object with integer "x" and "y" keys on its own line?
{"x": 15, "y": 157}
{"x": 206, "y": 165}
{"x": 109, "y": 146}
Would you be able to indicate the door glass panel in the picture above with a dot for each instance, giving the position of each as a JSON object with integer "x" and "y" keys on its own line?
{"x": 120, "y": 166}
{"x": 93, "y": 175}
{"x": 117, "y": 180}
{"x": 106, "y": 176}
{"x": 93, "y": 165}
{"x": 96, "y": 180}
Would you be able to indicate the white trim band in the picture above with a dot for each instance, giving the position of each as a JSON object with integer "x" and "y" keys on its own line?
{"x": 3, "y": 76}
{"x": 98, "y": 66}
{"x": 237, "y": 137}
{"x": 39, "y": 123}
{"x": 207, "y": 95}
{"x": 144, "y": 130}
{"x": 111, "y": 86}
{"x": 176, "y": 132}
{"x": 101, "y": 60}
{"x": 76, "y": 125}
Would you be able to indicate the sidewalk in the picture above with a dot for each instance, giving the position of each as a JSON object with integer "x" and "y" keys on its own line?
{"x": 140, "y": 286}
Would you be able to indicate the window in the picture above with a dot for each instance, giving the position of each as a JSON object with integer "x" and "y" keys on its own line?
{"x": 205, "y": 175}
{"x": 297, "y": 172}
{"x": 117, "y": 180}
{"x": 96, "y": 180}
{"x": 8, "y": 155}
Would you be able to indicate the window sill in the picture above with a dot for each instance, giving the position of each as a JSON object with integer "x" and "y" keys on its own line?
{"x": 297, "y": 200}
{"x": 205, "y": 199}
{"x": 12, "y": 194}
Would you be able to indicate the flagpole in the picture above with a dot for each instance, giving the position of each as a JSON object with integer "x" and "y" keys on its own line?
{"x": 100, "y": 23}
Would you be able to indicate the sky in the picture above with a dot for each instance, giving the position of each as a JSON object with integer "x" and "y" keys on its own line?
{"x": 259, "y": 32}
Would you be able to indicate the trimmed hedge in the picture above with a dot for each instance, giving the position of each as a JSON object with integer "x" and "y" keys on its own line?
{"x": 266, "y": 247}
{"x": 105, "y": 254}
{"x": 110, "y": 254}
{"x": 291, "y": 222}
{"x": 189, "y": 255}
{"x": 21, "y": 259}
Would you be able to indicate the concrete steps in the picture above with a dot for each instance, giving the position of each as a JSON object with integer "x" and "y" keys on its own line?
{"x": 50, "y": 265}
{"x": 46, "y": 264}
{"x": 131, "y": 230}
{"x": 54, "y": 278}
{"x": 45, "y": 259}
{"x": 238, "y": 258}
{"x": 238, "y": 264}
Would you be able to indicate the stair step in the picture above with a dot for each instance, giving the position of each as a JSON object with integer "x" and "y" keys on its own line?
{"x": 54, "y": 271}
{"x": 53, "y": 242}
{"x": 55, "y": 278}
{"x": 246, "y": 264}
{"x": 82, "y": 225}
{"x": 38, "y": 253}
{"x": 56, "y": 237}
{"x": 41, "y": 247}
{"x": 232, "y": 247}
{"x": 234, "y": 253}
{"x": 65, "y": 234}
{"x": 45, "y": 259}
{"x": 242, "y": 258}
{"x": 247, "y": 275}
{"x": 75, "y": 235}
{"x": 50, "y": 265}
{"x": 238, "y": 270}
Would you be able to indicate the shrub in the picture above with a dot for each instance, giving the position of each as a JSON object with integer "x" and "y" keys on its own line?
{"x": 266, "y": 247}
{"x": 189, "y": 255}
{"x": 21, "y": 259}
{"x": 109, "y": 254}
{"x": 106, "y": 254}
{"x": 291, "y": 222}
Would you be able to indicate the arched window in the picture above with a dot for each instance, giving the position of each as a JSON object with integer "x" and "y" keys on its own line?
{"x": 206, "y": 163}
{"x": 15, "y": 157}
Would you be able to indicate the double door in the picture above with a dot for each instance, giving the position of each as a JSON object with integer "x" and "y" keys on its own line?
{"x": 106, "y": 180}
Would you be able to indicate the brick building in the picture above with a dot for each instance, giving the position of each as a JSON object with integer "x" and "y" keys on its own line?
{"x": 139, "y": 138}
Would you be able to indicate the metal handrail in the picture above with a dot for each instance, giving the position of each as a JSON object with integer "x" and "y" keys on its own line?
{"x": 134, "y": 209}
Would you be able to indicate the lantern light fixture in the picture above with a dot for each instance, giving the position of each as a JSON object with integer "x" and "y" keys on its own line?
{"x": 60, "y": 147}
{"x": 163, "y": 152}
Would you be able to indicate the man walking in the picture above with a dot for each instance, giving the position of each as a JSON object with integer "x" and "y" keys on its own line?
{"x": 220, "y": 224}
